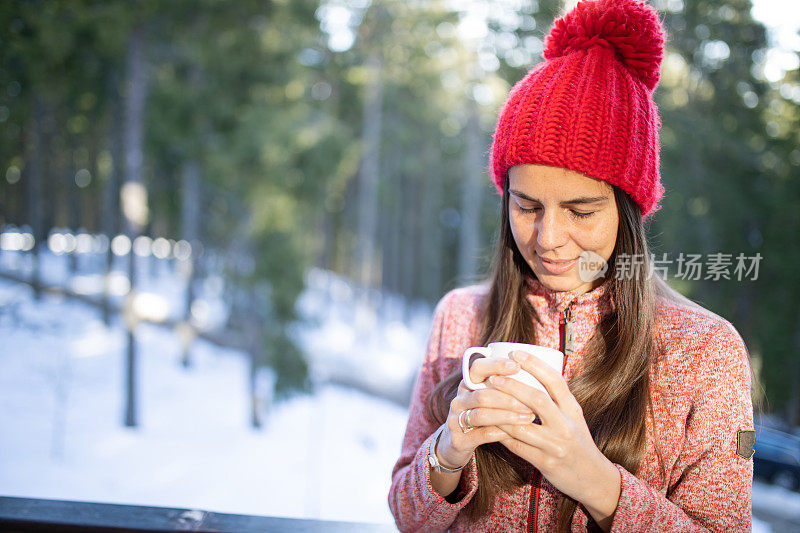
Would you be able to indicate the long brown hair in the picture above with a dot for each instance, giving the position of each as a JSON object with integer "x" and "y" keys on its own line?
{"x": 614, "y": 387}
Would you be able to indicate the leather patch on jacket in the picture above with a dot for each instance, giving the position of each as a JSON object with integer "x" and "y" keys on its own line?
{"x": 745, "y": 443}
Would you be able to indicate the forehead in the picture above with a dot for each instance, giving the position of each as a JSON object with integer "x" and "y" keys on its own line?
{"x": 542, "y": 180}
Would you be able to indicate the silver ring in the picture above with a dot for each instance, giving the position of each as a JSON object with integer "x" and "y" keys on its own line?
{"x": 466, "y": 418}
{"x": 465, "y": 428}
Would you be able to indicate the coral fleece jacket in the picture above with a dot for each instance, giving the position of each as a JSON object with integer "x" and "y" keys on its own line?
{"x": 701, "y": 398}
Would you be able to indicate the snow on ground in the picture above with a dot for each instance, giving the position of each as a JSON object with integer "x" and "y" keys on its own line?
{"x": 378, "y": 340}
{"x": 776, "y": 501}
{"x": 328, "y": 455}
{"x": 760, "y": 527}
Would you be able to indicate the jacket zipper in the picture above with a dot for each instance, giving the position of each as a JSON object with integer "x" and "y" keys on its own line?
{"x": 566, "y": 334}
{"x": 533, "y": 515}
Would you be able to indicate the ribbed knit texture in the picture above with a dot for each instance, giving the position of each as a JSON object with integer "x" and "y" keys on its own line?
{"x": 701, "y": 398}
{"x": 589, "y": 106}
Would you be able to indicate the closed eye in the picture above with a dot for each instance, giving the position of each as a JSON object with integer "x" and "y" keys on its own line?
{"x": 536, "y": 208}
{"x": 521, "y": 206}
{"x": 578, "y": 214}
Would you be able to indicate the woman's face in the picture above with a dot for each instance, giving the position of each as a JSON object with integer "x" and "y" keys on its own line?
{"x": 556, "y": 215}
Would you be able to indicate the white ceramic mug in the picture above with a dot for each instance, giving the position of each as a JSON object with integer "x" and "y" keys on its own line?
{"x": 502, "y": 350}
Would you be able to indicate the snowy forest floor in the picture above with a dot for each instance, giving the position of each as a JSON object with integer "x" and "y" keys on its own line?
{"x": 327, "y": 455}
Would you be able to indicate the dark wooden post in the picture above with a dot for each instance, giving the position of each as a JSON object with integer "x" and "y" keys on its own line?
{"x": 134, "y": 194}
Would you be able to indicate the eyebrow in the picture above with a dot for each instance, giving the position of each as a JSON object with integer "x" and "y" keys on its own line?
{"x": 579, "y": 200}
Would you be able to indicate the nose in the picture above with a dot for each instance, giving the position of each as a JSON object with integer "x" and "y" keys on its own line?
{"x": 550, "y": 231}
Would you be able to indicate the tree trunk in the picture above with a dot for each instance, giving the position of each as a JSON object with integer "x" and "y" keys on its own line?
{"x": 793, "y": 410}
{"x": 134, "y": 196}
{"x": 408, "y": 230}
{"x": 469, "y": 236}
{"x": 327, "y": 230}
{"x": 252, "y": 334}
{"x": 33, "y": 147}
{"x": 111, "y": 190}
{"x": 73, "y": 205}
{"x": 431, "y": 233}
{"x": 370, "y": 167}
{"x": 388, "y": 260}
{"x": 393, "y": 221}
{"x": 190, "y": 228}
{"x": 190, "y": 201}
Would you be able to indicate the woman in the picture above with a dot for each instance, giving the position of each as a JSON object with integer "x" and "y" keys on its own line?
{"x": 649, "y": 426}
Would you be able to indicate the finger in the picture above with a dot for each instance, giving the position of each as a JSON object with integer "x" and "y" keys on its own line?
{"x": 484, "y": 367}
{"x": 481, "y": 417}
{"x": 485, "y": 435}
{"x": 531, "y": 454}
{"x": 464, "y": 444}
{"x": 494, "y": 399}
{"x": 533, "y": 436}
{"x": 537, "y": 437}
{"x": 553, "y": 381}
{"x": 535, "y": 399}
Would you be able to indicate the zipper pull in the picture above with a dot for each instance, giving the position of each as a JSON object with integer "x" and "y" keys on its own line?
{"x": 569, "y": 332}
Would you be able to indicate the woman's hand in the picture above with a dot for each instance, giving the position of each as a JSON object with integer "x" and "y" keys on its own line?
{"x": 561, "y": 447}
{"x": 490, "y": 408}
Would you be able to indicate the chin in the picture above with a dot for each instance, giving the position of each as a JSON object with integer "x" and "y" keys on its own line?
{"x": 559, "y": 283}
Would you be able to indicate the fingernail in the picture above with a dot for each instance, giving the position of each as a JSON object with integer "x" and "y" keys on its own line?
{"x": 510, "y": 365}
{"x": 497, "y": 380}
{"x": 521, "y": 356}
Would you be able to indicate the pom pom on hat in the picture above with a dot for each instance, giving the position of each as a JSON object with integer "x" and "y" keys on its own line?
{"x": 588, "y": 107}
{"x": 629, "y": 27}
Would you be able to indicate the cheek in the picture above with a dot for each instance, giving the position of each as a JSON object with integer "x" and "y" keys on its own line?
{"x": 601, "y": 239}
{"x": 522, "y": 232}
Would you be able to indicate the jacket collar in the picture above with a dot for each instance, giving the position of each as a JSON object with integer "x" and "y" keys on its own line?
{"x": 593, "y": 305}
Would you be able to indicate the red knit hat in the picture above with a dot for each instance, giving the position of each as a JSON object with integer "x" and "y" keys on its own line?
{"x": 589, "y": 106}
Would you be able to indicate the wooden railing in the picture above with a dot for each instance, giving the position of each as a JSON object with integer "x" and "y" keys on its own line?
{"x": 57, "y": 516}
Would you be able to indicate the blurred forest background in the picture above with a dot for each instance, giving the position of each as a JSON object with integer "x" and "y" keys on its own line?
{"x": 352, "y": 136}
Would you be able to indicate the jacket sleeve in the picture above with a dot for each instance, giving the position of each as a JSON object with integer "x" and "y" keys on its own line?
{"x": 412, "y": 500}
{"x": 713, "y": 490}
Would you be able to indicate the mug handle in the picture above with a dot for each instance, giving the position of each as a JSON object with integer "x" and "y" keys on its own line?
{"x": 465, "y": 366}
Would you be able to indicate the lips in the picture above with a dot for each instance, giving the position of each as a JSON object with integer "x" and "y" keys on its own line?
{"x": 557, "y": 267}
